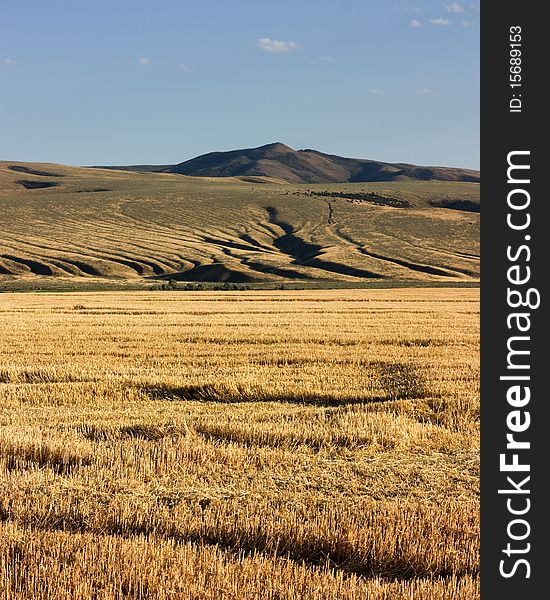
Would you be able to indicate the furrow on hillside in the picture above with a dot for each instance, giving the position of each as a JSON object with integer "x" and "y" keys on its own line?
{"x": 147, "y": 226}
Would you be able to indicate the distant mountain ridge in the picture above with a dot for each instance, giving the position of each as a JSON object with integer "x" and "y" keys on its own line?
{"x": 280, "y": 162}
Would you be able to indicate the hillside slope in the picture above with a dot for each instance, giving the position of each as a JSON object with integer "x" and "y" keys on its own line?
{"x": 63, "y": 222}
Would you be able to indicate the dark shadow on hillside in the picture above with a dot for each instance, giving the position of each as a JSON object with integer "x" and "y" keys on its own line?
{"x": 373, "y": 171}
{"x": 216, "y": 272}
{"x": 37, "y": 268}
{"x": 233, "y": 245}
{"x": 409, "y": 265}
{"x": 250, "y": 240}
{"x": 279, "y": 271}
{"x": 29, "y": 171}
{"x": 155, "y": 267}
{"x": 342, "y": 269}
{"x": 430, "y": 270}
{"x": 466, "y": 205}
{"x": 306, "y": 253}
{"x": 35, "y": 185}
{"x": 84, "y": 267}
{"x": 290, "y": 243}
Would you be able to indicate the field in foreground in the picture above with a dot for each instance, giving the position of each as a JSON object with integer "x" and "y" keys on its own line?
{"x": 245, "y": 445}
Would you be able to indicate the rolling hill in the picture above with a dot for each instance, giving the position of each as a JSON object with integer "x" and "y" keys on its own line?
{"x": 283, "y": 164}
{"x": 70, "y": 225}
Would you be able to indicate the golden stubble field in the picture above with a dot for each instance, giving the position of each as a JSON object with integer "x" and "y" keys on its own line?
{"x": 244, "y": 445}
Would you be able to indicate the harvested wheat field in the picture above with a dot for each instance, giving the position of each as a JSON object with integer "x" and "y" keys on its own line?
{"x": 240, "y": 445}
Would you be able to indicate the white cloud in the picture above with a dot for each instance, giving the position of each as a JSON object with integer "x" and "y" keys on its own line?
{"x": 276, "y": 46}
{"x": 185, "y": 68}
{"x": 144, "y": 61}
{"x": 455, "y": 8}
{"x": 440, "y": 21}
{"x": 7, "y": 61}
{"x": 377, "y": 92}
{"x": 465, "y": 23}
{"x": 424, "y": 91}
{"x": 415, "y": 23}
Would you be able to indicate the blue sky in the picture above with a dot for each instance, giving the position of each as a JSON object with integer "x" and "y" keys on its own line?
{"x": 132, "y": 81}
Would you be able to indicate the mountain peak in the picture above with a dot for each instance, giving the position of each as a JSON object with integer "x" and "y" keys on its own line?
{"x": 276, "y": 147}
{"x": 281, "y": 162}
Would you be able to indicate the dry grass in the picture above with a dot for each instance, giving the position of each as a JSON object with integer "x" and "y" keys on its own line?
{"x": 110, "y": 567}
{"x": 130, "y": 227}
{"x": 253, "y": 445}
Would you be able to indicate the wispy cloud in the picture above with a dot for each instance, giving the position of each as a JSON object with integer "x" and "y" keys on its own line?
{"x": 377, "y": 92}
{"x": 424, "y": 91}
{"x": 144, "y": 61}
{"x": 415, "y": 23}
{"x": 440, "y": 21}
{"x": 276, "y": 46}
{"x": 184, "y": 68}
{"x": 465, "y": 23}
{"x": 455, "y": 8}
{"x": 7, "y": 61}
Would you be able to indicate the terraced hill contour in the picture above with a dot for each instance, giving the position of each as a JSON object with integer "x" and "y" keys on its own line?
{"x": 62, "y": 222}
